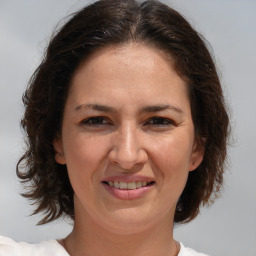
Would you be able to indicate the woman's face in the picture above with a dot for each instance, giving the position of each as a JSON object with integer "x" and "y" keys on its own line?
{"x": 127, "y": 138}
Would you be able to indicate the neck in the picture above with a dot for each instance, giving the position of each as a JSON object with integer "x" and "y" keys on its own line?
{"x": 88, "y": 239}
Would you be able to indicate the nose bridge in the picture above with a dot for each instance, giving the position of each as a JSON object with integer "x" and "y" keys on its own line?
{"x": 128, "y": 142}
{"x": 127, "y": 150}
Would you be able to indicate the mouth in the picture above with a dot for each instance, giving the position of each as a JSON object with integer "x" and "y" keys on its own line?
{"x": 128, "y": 185}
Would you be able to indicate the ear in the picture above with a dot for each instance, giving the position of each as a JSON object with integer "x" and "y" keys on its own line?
{"x": 59, "y": 152}
{"x": 197, "y": 154}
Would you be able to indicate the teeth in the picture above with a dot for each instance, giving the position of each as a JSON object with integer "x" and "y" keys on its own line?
{"x": 131, "y": 185}
{"x": 127, "y": 185}
{"x": 123, "y": 185}
{"x": 138, "y": 184}
{"x": 116, "y": 184}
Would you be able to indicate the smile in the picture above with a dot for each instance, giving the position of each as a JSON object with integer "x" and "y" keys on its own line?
{"x": 128, "y": 185}
{"x": 128, "y": 188}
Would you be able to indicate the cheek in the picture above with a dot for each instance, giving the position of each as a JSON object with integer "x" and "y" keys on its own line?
{"x": 84, "y": 157}
{"x": 171, "y": 161}
{"x": 172, "y": 152}
{"x": 85, "y": 148}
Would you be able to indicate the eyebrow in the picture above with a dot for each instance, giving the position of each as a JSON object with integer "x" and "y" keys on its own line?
{"x": 97, "y": 107}
{"x": 158, "y": 108}
{"x": 147, "y": 109}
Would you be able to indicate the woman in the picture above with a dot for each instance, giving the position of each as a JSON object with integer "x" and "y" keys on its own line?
{"x": 126, "y": 132}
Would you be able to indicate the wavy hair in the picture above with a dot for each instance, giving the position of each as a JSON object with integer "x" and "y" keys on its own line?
{"x": 116, "y": 22}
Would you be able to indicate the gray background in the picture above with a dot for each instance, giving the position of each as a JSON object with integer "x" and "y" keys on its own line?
{"x": 226, "y": 228}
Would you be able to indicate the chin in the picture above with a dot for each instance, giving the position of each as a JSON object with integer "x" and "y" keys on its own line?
{"x": 127, "y": 227}
{"x": 130, "y": 221}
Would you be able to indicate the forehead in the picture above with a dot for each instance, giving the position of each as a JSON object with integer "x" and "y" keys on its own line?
{"x": 133, "y": 70}
{"x": 145, "y": 58}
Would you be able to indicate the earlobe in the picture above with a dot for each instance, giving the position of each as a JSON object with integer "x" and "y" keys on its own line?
{"x": 59, "y": 152}
{"x": 197, "y": 155}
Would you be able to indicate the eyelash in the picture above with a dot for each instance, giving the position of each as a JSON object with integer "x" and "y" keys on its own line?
{"x": 160, "y": 121}
{"x": 101, "y": 121}
{"x": 95, "y": 121}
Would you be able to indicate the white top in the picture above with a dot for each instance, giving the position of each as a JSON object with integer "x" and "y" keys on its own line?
{"x": 9, "y": 247}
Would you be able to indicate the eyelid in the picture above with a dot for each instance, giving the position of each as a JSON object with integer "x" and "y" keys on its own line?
{"x": 167, "y": 121}
{"x": 86, "y": 121}
{"x": 155, "y": 121}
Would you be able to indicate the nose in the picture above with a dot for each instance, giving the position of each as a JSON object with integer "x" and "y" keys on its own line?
{"x": 127, "y": 150}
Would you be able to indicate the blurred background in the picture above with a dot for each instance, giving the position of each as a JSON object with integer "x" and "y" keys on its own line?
{"x": 226, "y": 228}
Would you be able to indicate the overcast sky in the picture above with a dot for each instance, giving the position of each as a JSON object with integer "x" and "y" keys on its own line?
{"x": 229, "y": 226}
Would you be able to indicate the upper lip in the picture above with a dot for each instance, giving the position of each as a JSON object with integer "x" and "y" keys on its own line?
{"x": 129, "y": 178}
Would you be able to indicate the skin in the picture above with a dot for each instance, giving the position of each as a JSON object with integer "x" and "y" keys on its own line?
{"x": 130, "y": 138}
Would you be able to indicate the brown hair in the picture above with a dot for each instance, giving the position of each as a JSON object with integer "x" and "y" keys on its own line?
{"x": 104, "y": 23}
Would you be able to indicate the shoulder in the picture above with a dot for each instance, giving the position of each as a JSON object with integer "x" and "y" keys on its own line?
{"x": 9, "y": 247}
{"x": 185, "y": 251}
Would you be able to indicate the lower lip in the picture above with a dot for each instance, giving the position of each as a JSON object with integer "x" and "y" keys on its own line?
{"x": 128, "y": 194}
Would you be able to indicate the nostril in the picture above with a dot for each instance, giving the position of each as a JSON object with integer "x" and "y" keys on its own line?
{"x": 127, "y": 160}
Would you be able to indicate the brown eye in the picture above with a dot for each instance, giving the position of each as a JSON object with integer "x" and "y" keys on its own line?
{"x": 159, "y": 121}
{"x": 95, "y": 121}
